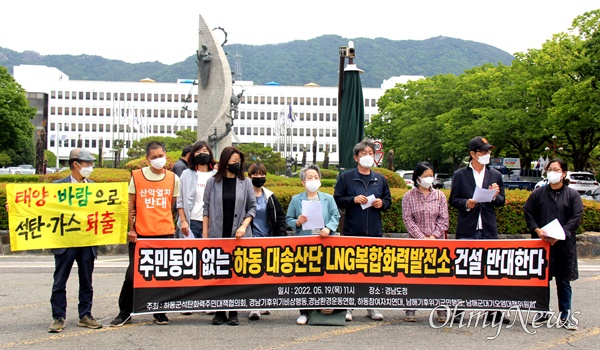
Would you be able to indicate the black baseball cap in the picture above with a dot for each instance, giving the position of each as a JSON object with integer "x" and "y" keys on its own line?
{"x": 479, "y": 144}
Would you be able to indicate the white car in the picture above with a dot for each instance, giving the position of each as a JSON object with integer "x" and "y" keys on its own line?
{"x": 592, "y": 195}
{"x": 582, "y": 181}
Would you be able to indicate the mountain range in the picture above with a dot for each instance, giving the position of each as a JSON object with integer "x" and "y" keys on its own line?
{"x": 293, "y": 63}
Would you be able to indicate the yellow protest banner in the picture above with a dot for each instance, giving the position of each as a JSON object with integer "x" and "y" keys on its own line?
{"x": 62, "y": 215}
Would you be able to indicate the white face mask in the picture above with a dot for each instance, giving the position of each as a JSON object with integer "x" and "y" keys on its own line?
{"x": 426, "y": 181}
{"x": 484, "y": 159}
{"x": 313, "y": 185}
{"x": 554, "y": 177}
{"x": 158, "y": 163}
{"x": 366, "y": 161}
{"x": 86, "y": 171}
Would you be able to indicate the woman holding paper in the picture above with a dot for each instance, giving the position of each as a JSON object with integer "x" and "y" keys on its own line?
{"x": 559, "y": 202}
{"x": 312, "y": 213}
{"x": 328, "y": 217}
{"x": 425, "y": 215}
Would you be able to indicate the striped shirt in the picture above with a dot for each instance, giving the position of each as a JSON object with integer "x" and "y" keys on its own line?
{"x": 425, "y": 216}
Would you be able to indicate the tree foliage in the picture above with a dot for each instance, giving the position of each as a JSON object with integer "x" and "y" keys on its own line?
{"x": 257, "y": 153}
{"x": 16, "y": 129}
{"x": 544, "y": 92}
{"x": 184, "y": 138}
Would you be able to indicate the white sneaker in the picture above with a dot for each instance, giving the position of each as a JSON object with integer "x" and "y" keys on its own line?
{"x": 375, "y": 315}
{"x": 302, "y": 319}
{"x": 254, "y": 315}
{"x": 348, "y": 315}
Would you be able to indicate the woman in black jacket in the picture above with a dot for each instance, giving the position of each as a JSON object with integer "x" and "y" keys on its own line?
{"x": 269, "y": 220}
{"x": 557, "y": 201}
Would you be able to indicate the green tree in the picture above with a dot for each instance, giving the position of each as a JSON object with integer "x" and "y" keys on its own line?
{"x": 576, "y": 104}
{"x": 16, "y": 130}
{"x": 5, "y": 159}
{"x": 185, "y": 137}
{"x": 257, "y": 153}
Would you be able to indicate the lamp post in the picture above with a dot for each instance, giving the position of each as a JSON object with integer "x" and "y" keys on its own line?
{"x": 553, "y": 146}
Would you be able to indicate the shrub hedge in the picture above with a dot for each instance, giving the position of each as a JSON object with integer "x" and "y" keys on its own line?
{"x": 510, "y": 217}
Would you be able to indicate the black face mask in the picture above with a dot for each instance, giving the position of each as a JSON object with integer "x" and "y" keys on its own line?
{"x": 234, "y": 168}
{"x": 202, "y": 159}
{"x": 259, "y": 181}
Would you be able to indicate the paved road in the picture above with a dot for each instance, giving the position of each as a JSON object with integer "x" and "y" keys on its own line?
{"x": 25, "y": 284}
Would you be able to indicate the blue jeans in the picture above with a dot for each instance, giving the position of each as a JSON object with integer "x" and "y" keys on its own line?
{"x": 564, "y": 294}
{"x": 196, "y": 228}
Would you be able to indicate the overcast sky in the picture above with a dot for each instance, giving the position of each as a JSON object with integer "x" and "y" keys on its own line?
{"x": 167, "y": 31}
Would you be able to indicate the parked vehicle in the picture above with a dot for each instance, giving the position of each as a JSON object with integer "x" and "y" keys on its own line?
{"x": 439, "y": 179}
{"x": 407, "y": 176}
{"x": 582, "y": 181}
{"x": 20, "y": 170}
{"x": 523, "y": 179}
{"x": 592, "y": 195}
{"x": 448, "y": 184}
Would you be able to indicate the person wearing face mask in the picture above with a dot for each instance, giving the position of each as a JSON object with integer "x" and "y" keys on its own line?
{"x": 229, "y": 207}
{"x": 190, "y": 203}
{"x": 557, "y": 201}
{"x": 269, "y": 220}
{"x": 152, "y": 191}
{"x": 476, "y": 220}
{"x": 311, "y": 180}
{"x": 81, "y": 163}
{"x": 425, "y": 215}
{"x": 356, "y": 188}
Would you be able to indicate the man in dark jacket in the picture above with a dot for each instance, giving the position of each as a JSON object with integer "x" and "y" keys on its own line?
{"x": 477, "y": 220}
{"x": 81, "y": 163}
{"x": 182, "y": 163}
{"x": 558, "y": 201}
{"x": 363, "y": 194}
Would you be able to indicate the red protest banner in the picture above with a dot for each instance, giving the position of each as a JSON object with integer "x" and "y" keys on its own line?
{"x": 356, "y": 272}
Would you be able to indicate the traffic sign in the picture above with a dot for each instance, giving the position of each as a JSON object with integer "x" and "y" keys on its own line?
{"x": 378, "y": 157}
{"x": 378, "y": 146}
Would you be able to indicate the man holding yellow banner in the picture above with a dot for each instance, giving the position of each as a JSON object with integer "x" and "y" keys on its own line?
{"x": 81, "y": 163}
{"x": 72, "y": 217}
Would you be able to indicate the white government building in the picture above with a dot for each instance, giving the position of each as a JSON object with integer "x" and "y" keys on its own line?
{"x": 104, "y": 111}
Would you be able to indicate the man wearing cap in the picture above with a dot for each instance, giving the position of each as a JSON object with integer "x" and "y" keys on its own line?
{"x": 477, "y": 220}
{"x": 81, "y": 163}
{"x": 152, "y": 191}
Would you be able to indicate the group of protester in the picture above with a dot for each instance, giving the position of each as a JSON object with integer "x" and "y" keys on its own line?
{"x": 217, "y": 200}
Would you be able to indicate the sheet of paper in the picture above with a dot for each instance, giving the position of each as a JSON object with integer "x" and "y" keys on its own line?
{"x": 555, "y": 230}
{"x": 190, "y": 235}
{"x": 370, "y": 200}
{"x": 313, "y": 212}
{"x": 482, "y": 195}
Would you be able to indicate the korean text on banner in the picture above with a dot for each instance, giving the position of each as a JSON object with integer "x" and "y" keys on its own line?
{"x": 62, "y": 215}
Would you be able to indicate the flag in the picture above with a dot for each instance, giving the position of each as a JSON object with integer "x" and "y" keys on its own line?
{"x": 540, "y": 163}
{"x": 291, "y": 115}
{"x": 543, "y": 166}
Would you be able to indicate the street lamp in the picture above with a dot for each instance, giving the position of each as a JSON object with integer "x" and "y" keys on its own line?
{"x": 553, "y": 146}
